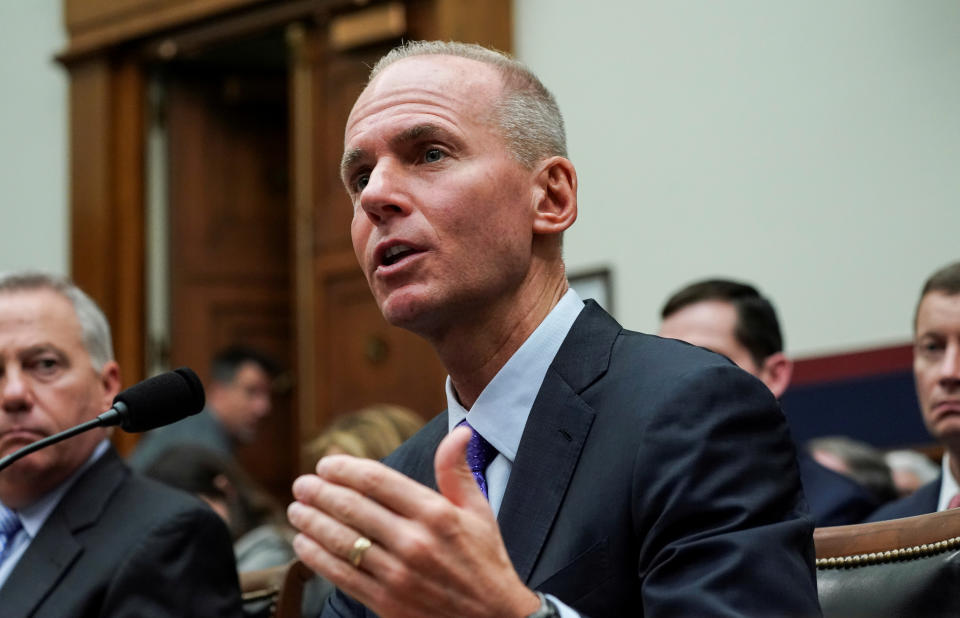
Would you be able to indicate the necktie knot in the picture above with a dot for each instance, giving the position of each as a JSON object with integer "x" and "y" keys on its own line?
{"x": 954, "y": 502}
{"x": 479, "y": 455}
{"x": 9, "y": 526}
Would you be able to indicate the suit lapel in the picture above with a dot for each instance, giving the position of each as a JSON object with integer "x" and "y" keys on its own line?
{"x": 415, "y": 457}
{"x": 553, "y": 438}
{"x": 55, "y": 548}
{"x": 40, "y": 568}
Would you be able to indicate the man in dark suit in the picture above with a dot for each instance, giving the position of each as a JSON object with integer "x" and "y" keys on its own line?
{"x": 936, "y": 371}
{"x": 238, "y": 403}
{"x": 601, "y": 471}
{"x": 79, "y": 534}
{"x": 735, "y": 320}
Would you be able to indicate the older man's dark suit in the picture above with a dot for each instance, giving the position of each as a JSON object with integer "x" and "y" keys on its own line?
{"x": 121, "y": 545}
{"x": 653, "y": 478}
{"x": 924, "y": 500}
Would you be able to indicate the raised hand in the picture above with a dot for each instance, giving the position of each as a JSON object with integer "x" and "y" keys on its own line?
{"x": 430, "y": 553}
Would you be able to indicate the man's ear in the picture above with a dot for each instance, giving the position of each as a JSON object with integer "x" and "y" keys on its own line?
{"x": 776, "y": 373}
{"x": 110, "y": 381}
{"x": 555, "y": 207}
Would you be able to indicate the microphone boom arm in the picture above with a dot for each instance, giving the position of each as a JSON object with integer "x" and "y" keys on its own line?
{"x": 157, "y": 401}
{"x": 107, "y": 419}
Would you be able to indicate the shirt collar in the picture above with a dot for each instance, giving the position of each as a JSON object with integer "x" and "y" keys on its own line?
{"x": 948, "y": 485}
{"x": 500, "y": 412}
{"x": 34, "y": 516}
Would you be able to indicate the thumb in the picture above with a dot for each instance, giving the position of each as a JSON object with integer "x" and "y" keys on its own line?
{"x": 454, "y": 479}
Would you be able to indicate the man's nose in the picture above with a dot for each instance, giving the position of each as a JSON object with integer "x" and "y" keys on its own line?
{"x": 950, "y": 368}
{"x": 15, "y": 393}
{"x": 265, "y": 406}
{"x": 384, "y": 196}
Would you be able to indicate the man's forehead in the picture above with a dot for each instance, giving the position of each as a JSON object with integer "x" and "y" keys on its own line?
{"x": 31, "y": 302}
{"x": 938, "y": 311}
{"x": 711, "y": 314}
{"x": 436, "y": 78}
{"x": 40, "y": 318}
{"x": 432, "y": 69}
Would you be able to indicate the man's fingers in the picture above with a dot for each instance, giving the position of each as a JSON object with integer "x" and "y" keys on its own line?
{"x": 337, "y": 515}
{"x": 324, "y": 544}
{"x": 454, "y": 478}
{"x": 355, "y": 582}
{"x": 336, "y": 538}
{"x": 395, "y": 491}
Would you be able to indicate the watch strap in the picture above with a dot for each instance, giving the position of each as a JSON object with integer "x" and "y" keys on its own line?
{"x": 546, "y": 610}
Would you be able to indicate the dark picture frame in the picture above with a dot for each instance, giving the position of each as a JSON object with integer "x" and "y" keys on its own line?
{"x": 596, "y": 283}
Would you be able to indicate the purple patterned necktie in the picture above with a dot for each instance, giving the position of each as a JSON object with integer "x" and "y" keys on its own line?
{"x": 479, "y": 455}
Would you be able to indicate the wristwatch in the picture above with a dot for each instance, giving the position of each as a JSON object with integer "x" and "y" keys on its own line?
{"x": 546, "y": 610}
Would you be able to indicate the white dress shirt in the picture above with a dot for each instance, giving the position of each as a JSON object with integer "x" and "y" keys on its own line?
{"x": 948, "y": 485}
{"x": 500, "y": 412}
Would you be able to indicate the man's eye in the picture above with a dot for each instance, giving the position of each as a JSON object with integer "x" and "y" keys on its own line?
{"x": 361, "y": 182}
{"x": 433, "y": 155}
{"x": 45, "y": 365}
{"x": 929, "y": 347}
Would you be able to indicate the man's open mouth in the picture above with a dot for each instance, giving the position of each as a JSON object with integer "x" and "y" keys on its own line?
{"x": 396, "y": 253}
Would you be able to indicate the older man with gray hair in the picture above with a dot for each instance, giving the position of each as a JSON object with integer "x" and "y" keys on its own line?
{"x": 80, "y": 535}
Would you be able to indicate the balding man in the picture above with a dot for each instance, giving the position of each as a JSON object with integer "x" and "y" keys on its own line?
{"x": 610, "y": 473}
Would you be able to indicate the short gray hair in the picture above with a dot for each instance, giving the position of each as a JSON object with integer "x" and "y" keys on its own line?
{"x": 527, "y": 112}
{"x": 94, "y": 327}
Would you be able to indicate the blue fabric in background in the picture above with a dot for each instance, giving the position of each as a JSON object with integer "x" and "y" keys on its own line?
{"x": 881, "y": 410}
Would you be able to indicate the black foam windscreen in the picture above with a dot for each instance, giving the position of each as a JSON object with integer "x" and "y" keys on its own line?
{"x": 160, "y": 400}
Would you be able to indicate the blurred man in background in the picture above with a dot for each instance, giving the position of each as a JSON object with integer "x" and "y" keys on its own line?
{"x": 238, "y": 400}
{"x": 733, "y": 319}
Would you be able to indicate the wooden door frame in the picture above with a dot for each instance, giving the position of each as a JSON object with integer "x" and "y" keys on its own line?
{"x": 110, "y": 44}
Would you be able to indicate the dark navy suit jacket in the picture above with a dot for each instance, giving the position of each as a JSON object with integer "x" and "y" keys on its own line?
{"x": 920, "y": 502}
{"x": 653, "y": 478}
{"x": 834, "y": 499}
{"x": 121, "y": 545}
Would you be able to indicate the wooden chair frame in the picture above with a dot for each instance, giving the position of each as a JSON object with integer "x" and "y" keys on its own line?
{"x": 282, "y": 585}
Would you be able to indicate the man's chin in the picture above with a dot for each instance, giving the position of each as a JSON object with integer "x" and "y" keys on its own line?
{"x": 947, "y": 432}
{"x": 18, "y": 482}
{"x": 410, "y": 313}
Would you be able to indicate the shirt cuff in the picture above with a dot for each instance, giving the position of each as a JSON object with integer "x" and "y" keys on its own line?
{"x": 565, "y": 611}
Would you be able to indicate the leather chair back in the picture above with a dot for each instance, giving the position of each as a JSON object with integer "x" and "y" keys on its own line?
{"x": 902, "y": 567}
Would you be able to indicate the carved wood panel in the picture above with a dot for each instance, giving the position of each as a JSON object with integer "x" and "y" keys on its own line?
{"x": 228, "y": 167}
{"x": 362, "y": 360}
{"x": 229, "y": 247}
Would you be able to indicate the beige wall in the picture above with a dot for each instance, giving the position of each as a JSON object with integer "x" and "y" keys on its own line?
{"x": 810, "y": 147}
{"x": 33, "y": 142}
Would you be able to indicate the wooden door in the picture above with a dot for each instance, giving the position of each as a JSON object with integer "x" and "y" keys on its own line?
{"x": 229, "y": 208}
{"x": 356, "y": 358}
{"x": 254, "y": 257}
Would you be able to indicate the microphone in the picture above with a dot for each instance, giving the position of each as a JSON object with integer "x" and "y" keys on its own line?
{"x": 155, "y": 402}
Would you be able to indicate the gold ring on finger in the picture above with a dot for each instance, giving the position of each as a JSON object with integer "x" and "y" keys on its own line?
{"x": 360, "y": 547}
